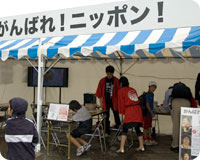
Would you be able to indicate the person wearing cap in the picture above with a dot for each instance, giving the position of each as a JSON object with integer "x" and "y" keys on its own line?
{"x": 149, "y": 99}
{"x": 20, "y": 133}
{"x": 107, "y": 93}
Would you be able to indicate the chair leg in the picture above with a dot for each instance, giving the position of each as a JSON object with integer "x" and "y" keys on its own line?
{"x": 100, "y": 140}
{"x": 93, "y": 135}
{"x": 116, "y": 135}
{"x": 43, "y": 142}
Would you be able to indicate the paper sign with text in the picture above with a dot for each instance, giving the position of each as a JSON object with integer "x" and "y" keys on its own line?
{"x": 58, "y": 112}
{"x": 189, "y": 133}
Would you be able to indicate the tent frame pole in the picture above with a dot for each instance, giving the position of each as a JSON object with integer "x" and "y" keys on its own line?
{"x": 31, "y": 63}
{"x": 41, "y": 66}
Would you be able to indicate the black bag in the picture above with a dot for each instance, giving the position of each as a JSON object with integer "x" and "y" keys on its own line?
{"x": 180, "y": 90}
{"x": 143, "y": 103}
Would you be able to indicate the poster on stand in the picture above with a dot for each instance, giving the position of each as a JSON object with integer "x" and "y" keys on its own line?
{"x": 58, "y": 112}
{"x": 189, "y": 142}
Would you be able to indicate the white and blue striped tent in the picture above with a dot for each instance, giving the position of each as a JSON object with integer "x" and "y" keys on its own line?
{"x": 162, "y": 43}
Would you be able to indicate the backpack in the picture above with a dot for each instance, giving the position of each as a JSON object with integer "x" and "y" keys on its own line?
{"x": 143, "y": 103}
{"x": 180, "y": 90}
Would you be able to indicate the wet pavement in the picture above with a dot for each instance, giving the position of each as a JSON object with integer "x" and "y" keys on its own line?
{"x": 157, "y": 152}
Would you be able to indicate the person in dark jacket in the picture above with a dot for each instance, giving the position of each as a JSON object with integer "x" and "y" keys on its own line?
{"x": 20, "y": 133}
{"x": 181, "y": 96}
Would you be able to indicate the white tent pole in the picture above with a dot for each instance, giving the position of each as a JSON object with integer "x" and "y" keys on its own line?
{"x": 39, "y": 93}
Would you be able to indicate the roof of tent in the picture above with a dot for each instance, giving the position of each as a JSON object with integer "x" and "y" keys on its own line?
{"x": 136, "y": 44}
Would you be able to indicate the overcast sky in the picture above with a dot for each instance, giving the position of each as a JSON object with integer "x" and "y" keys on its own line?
{"x": 18, "y": 7}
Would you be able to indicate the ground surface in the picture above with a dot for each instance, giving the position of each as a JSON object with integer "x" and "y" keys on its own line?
{"x": 157, "y": 152}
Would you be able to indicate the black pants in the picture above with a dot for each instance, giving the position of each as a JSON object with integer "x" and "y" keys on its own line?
{"x": 135, "y": 125}
{"x": 116, "y": 117}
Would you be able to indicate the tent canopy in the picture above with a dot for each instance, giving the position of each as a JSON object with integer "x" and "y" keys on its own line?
{"x": 136, "y": 44}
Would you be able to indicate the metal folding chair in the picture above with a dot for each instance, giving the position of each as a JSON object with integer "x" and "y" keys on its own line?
{"x": 118, "y": 133}
{"x": 99, "y": 132}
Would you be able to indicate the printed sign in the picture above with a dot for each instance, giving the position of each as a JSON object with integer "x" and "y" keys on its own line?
{"x": 58, "y": 112}
{"x": 110, "y": 17}
{"x": 189, "y": 133}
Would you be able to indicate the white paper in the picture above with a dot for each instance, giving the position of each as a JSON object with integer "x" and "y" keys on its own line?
{"x": 58, "y": 112}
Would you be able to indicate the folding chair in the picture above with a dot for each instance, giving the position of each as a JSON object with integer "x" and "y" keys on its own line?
{"x": 44, "y": 126}
{"x": 99, "y": 132}
{"x": 118, "y": 133}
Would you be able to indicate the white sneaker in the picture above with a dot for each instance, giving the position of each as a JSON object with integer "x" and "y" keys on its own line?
{"x": 80, "y": 151}
{"x": 87, "y": 146}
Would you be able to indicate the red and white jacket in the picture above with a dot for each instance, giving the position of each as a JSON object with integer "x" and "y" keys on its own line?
{"x": 128, "y": 103}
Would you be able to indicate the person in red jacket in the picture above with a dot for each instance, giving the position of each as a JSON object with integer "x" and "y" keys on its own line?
{"x": 107, "y": 94}
{"x": 128, "y": 103}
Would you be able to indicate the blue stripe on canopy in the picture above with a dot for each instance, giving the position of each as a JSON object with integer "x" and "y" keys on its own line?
{"x": 53, "y": 50}
{"x": 117, "y": 38}
{"x": 128, "y": 49}
{"x": 94, "y": 38}
{"x": 141, "y": 37}
{"x": 14, "y": 53}
{"x": 2, "y": 42}
{"x": 167, "y": 36}
{"x": 193, "y": 39}
{"x": 9, "y": 46}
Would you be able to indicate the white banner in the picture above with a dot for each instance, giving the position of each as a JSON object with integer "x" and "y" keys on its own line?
{"x": 189, "y": 133}
{"x": 111, "y": 17}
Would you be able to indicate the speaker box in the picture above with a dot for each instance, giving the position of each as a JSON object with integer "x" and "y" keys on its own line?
{"x": 89, "y": 98}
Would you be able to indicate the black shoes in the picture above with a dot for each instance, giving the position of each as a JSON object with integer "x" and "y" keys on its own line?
{"x": 176, "y": 149}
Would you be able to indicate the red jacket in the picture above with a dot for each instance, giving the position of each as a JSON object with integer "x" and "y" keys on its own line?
{"x": 128, "y": 105}
{"x": 100, "y": 92}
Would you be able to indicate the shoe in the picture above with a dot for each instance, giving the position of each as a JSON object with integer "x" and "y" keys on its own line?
{"x": 80, "y": 151}
{"x": 151, "y": 143}
{"x": 175, "y": 150}
{"x": 146, "y": 142}
{"x": 140, "y": 149}
{"x": 120, "y": 151}
{"x": 87, "y": 146}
